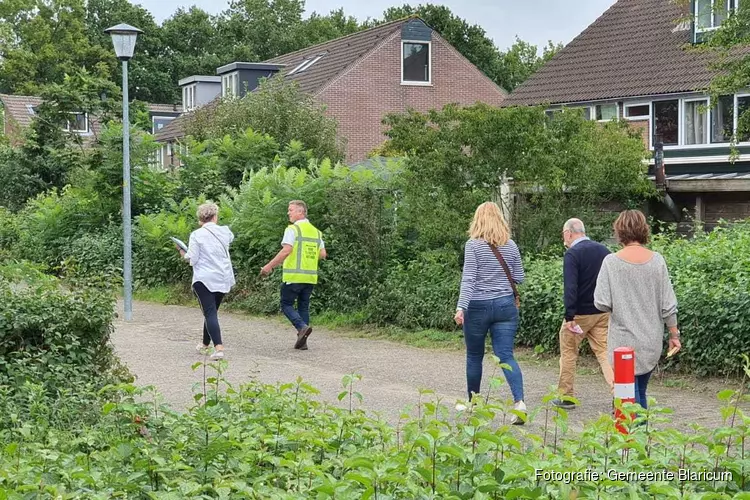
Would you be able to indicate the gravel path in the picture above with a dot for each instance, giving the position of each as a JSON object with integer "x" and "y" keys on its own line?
{"x": 159, "y": 348}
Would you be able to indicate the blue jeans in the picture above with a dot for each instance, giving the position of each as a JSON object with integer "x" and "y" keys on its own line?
{"x": 300, "y": 293}
{"x": 641, "y": 382}
{"x": 499, "y": 317}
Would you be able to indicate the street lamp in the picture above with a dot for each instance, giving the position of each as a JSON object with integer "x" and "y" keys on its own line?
{"x": 123, "y": 39}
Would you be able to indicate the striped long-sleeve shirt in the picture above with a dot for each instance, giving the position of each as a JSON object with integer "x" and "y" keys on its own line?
{"x": 483, "y": 277}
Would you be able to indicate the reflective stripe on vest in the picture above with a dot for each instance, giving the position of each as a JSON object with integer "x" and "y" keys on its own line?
{"x": 301, "y": 266}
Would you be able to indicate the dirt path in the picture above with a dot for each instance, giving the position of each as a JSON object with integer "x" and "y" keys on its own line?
{"x": 159, "y": 348}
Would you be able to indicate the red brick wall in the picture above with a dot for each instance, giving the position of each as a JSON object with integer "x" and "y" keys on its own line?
{"x": 360, "y": 98}
{"x": 642, "y": 126}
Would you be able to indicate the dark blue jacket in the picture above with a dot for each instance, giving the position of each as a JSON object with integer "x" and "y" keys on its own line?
{"x": 581, "y": 266}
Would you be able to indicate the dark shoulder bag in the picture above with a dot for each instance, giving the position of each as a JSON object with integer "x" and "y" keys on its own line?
{"x": 505, "y": 267}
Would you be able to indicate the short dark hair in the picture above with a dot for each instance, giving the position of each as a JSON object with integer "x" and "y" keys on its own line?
{"x": 631, "y": 226}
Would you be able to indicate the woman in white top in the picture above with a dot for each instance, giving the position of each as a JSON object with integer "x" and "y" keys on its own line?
{"x": 213, "y": 277}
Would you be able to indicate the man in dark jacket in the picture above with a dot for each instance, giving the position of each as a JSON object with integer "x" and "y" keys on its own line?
{"x": 581, "y": 265}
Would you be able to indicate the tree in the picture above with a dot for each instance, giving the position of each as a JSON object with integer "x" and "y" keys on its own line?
{"x": 277, "y": 108}
{"x": 193, "y": 43}
{"x": 560, "y": 167}
{"x": 41, "y": 41}
{"x": 521, "y": 61}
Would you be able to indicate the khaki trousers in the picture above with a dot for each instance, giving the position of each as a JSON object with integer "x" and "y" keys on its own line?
{"x": 594, "y": 328}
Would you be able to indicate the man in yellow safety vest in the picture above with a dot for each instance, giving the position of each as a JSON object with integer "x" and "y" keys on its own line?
{"x": 301, "y": 248}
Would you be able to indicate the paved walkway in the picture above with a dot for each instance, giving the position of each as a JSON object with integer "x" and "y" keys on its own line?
{"x": 159, "y": 348}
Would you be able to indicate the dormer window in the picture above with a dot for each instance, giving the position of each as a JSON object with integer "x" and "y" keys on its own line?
{"x": 230, "y": 85}
{"x": 77, "y": 123}
{"x": 709, "y": 14}
{"x": 416, "y": 64}
{"x": 188, "y": 97}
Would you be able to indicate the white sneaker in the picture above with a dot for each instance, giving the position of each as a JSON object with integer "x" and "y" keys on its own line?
{"x": 461, "y": 407}
{"x": 216, "y": 355}
{"x": 201, "y": 349}
{"x": 515, "y": 419}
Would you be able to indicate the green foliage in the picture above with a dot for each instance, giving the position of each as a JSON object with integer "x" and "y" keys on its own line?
{"x": 521, "y": 61}
{"x": 560, "y": 167}
{"x": 277, "y": 108}
{"x": 420, "y": 294}
{"x": 280, "y": 442}
{"x": 156, "y": 260}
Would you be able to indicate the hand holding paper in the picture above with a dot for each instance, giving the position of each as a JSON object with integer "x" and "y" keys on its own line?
{"x": 179, "y": 243}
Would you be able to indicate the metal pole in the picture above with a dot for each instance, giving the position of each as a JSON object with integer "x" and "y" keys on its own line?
{"x": 126, "y": 230}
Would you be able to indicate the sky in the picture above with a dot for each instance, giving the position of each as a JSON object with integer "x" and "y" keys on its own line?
{"x": 534, "y": 21}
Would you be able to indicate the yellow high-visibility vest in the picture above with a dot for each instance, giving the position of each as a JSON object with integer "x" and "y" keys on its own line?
{"x": 301, "y": 266}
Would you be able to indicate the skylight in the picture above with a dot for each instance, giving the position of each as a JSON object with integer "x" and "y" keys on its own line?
{"x": 305, "y": 64}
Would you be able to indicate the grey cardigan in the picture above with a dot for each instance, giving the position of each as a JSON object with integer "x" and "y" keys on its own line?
{"x": 641, "y": 301}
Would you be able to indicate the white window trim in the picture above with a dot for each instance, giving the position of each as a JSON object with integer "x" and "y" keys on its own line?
{"x": 428, "y": 83}
{"x": 617, "y": 111}
{"x": 77, "y": 131}
{"x": 639, "y": 117}
{"x": 682, "y": 140}
{"x": 714, "y": 26}
{"x": 228, "y": 83}
{"x": 156, "y": 117}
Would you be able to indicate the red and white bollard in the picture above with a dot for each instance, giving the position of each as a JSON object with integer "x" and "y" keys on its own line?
{"x": 624, "y": 361}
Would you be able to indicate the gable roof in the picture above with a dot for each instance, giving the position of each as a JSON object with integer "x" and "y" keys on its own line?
{"x": 20, "y": 108}
{"x": 337, "y": 56}
{"x": 636, "y": 48}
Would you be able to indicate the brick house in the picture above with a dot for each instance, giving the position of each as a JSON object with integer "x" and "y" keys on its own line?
{"x": 637, "y": 63}
{"x": 18, "y": 111}
{"x": 361, "y": 77}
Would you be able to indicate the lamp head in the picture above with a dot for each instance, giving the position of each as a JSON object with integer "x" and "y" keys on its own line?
{"x": 123, "y": 39}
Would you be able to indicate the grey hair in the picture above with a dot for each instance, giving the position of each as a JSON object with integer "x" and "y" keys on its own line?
{"x": 207, "y": 211}
{"x": 575, "y": 226}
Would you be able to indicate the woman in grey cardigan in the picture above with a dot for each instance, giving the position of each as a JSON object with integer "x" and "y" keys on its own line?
{"x": 634, "y": 286}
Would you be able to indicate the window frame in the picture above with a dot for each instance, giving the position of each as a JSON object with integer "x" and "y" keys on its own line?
{"x": 730, "y": 5}
{"x": 162, "y": 117}
{"x": 228, "y": 82}
{"x": 637, "y": 117}
{"x": 68, "y": 128}
{"x": 416, "y": 83}
{"x": 617, "y": 112}
{"x": 682, "y": 122}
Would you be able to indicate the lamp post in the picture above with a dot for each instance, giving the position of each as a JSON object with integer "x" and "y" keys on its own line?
{"x": 123, "y": 39}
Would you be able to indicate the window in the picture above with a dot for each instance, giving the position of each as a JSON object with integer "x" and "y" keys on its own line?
{"x": 77, "y": 122}
{"x": 696, "y": 121}
{"x": 605, "y": 112}
{"x": 188, "y": 97}
{"x": 709, "y": 14}
{"x": 159, "y": 122}
{"x": 637, "y": 111}
{"x": 230, "y": 85}
{"x": 587, "y": 113}
{"x": 416, "y": 62}
{"x": 305, "y": 64}
{"x": 722, "y": 120}
{"x": 743, "y": 128}
{"x": 666, "y": 124}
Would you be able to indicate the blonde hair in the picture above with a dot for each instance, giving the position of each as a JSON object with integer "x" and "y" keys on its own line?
{"x": 489, "y": 224}
{"x": 207, "y": 211}
{"x": 301, "y": 204}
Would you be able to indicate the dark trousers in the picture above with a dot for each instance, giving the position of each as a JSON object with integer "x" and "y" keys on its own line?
{"x": 300, "y": 293}
{"x": 499, "y": 317}
{"x": 209, "y": 302}
{"x": 641, "y": 382}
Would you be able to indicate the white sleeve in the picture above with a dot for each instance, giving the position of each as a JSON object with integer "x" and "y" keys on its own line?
{"x": 194, "y": 250}
{"x": 289, "y": 237}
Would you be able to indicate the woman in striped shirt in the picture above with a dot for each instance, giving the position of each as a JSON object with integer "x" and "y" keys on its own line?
{"x": 487, "y": 301}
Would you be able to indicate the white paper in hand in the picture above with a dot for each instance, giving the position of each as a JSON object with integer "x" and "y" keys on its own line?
{"x": 179, "y": 243}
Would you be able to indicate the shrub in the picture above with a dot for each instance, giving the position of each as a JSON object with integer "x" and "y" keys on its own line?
{"x": 277, "y": 442}
{"x": 422, "y": 294}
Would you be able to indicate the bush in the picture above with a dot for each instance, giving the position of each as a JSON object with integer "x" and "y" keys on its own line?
{"x": 277, "y": 442}
{"x": 422, "y": 294}
{"x": 95, "y": 255}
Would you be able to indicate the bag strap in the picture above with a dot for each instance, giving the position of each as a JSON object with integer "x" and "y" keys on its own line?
{"x": 505, "y": 267}
{"x": 217, "y": 239}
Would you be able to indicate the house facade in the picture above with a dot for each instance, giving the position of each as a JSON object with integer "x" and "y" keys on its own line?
{"x": 641, "y": 62}
{"x": 362, "y": 77}
{"x": 18, "y": 111}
